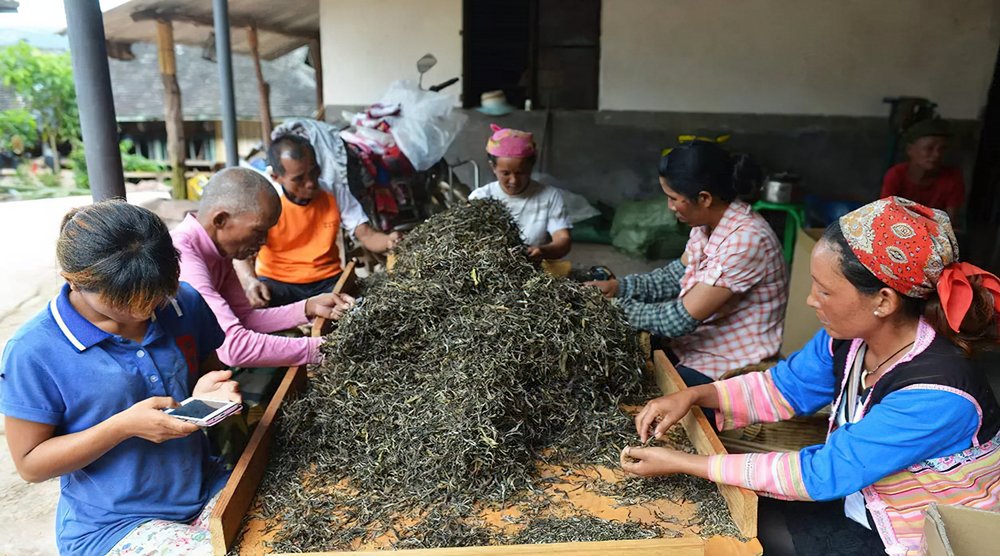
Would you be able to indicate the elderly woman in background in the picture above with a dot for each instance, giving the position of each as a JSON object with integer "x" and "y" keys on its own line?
{"x": 722, "y": 304}
{"x": 537, "y": 208}
{"x": 914, "y": 421}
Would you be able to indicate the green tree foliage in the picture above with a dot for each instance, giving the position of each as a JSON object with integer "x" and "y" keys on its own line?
{"x": 17, "y": 123}
{"x": 132, "y": 161}
{"x": 43, "y": 82}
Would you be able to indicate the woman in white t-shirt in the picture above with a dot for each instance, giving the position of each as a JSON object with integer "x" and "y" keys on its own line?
{"x": 537, "y": 208}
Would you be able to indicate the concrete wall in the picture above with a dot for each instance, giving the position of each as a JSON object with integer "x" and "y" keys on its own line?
{"x": 367, "y": 45}
{"x": 796, "y": 56}
{"x": 799, "y": 83}
{"x": 612, "y": 156}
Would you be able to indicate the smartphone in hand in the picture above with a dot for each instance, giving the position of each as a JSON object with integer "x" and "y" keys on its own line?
{"x": 204, "y": 413}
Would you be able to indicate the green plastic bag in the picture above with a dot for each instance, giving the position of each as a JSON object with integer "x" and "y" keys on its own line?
{"x": 648, "y": 229}
{"x": 593, "y": 230}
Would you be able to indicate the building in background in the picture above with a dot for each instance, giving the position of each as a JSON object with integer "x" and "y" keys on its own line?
{"x": 138, "y": 93}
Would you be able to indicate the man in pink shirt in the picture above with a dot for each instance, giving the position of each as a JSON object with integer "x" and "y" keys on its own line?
{"x": 237, "y": 209}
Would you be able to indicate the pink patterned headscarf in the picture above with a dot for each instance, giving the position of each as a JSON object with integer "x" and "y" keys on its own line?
{"x": 510, "y": 143}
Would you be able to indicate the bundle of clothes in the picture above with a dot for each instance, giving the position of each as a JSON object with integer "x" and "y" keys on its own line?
{"x": 374, "y": 153}
{"x": 371, "y": 143}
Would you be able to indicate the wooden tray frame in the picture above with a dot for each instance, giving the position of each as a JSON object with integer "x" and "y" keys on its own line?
{"x": 742, "y": 503}
{"x": 238, "y": 494}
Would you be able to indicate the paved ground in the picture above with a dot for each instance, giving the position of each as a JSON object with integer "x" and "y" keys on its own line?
{"x": 29, "y": 278}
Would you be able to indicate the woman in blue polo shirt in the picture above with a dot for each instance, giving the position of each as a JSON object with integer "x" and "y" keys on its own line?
{"x": 84, "y": 383}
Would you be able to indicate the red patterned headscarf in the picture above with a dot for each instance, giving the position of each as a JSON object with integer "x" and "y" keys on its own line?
{"x": 912, "y": 248}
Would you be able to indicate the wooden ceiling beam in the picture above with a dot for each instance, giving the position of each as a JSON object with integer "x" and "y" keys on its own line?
{"x": 234, "y": 22}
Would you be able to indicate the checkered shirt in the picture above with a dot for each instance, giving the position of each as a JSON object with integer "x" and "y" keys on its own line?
{"x": 743, "y": 255}
{"x": 650, "y": 301}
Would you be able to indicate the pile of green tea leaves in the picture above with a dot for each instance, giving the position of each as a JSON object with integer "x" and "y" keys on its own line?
{"x": 441, "y": 390}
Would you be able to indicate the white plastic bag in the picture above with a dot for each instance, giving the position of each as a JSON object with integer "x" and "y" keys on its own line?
{"x": 427, "y": 122}
{"x": 578, "y": 208}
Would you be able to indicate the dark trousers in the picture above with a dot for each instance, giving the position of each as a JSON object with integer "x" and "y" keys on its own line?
{"x": 694, "y": 378}
{"x": 283, "y": 293}
{"x": 807, "y": 528}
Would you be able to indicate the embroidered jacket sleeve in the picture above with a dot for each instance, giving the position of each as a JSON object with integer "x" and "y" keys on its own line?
{"x": 247, "y": 343}
{"x": 906, "y": 427}
{"x": 660, "y": 284}
{"x": 799, "y": 385}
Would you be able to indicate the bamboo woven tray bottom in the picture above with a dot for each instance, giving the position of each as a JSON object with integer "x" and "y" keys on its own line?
{"x": 785, "y": 436}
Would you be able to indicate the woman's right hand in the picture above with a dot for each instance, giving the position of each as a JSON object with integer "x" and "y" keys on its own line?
{"x": 662, "y": 412}
{"x": 608, "y": 287}
{"x": 147, "y": 420}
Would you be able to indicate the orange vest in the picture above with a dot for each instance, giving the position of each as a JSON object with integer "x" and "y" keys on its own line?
{"x": 302, "y": 247}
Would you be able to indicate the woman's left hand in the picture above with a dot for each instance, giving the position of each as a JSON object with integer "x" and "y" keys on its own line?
{"x": 392, "y": 240}
{"x": 651, "y": 462}
{"x": 216, "y": 385}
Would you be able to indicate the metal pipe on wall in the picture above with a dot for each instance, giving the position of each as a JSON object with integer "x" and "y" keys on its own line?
{"x": 220, "y": 14}
{"x": 92, "y": 79}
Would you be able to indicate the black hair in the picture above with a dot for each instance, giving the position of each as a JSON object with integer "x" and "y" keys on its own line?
{"x": 290, "y": 145}
{"x": 704, "y": 166}
{"x": 121, "y": 252}
{"x": 850, "y": 266}
{"x": 978, "y": 329}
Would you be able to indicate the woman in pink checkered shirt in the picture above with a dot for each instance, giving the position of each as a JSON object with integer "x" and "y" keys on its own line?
{"x": 722, "y": 304}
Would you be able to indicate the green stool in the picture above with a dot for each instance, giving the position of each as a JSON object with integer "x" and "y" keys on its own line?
{"x": 795, "y": 217}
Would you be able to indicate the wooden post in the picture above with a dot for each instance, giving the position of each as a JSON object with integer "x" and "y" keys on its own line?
{"x": 263, "y": 89}
{"x": 317, "y": 58}
{"x": 174, "y": 117}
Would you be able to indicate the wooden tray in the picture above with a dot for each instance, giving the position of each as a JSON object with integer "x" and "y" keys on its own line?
{"x": 237, "y": 496}
{"x": 234, "y": 501}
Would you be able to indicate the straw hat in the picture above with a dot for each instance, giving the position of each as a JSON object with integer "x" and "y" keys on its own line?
{"x": 494, "y": 103}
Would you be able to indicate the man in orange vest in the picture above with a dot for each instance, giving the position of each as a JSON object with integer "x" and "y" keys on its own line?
{"x": 300, "y": 258}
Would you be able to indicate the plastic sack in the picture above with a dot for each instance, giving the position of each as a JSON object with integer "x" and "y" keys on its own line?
{"x": 331, "y": 156}
{"x": 648, "y": 229}
{"x": 578, "y": 208}
{"x": 427, "y": 123}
